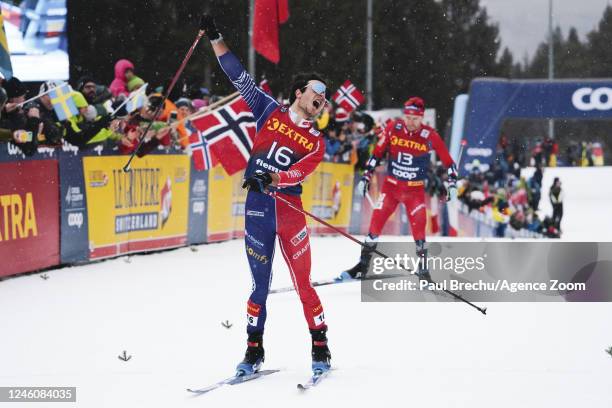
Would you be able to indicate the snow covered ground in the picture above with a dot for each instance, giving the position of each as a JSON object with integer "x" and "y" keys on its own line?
{"x": 166, "y": 311}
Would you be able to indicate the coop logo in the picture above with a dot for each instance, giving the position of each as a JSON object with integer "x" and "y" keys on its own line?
{"x": 479, "y": 151}
{"x": 198, "y": 207}
{"x": 588, "y": 99}
{"x": 75, "y": 219}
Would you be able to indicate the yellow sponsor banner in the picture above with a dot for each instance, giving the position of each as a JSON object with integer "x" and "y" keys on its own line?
{"x": 226, "y": 199}
{"x": 146, "y": 208}
{"x": 328, "y": 194}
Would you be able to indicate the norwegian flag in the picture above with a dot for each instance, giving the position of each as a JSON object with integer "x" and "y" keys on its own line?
{"x": 229, "y": 132}
{"x": 348, "y": 96}
{"x": 200, "y": 150}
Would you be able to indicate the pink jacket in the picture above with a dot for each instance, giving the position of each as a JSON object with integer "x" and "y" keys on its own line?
{"x": 119, "y": 84}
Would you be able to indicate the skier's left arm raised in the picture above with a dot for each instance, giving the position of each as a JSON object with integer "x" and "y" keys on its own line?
{"x": 260, "y": 103}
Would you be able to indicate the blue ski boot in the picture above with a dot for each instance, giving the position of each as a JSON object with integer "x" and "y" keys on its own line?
{"x": 254, "y": 356}
{"x": 320, "y": 352}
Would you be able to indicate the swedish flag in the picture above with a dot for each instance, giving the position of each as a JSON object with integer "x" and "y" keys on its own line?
{"x": 63, "y": 104}
{"x": 5, "y": 56}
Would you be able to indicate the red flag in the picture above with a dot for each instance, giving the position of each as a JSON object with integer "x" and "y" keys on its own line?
{"x": 269, "y": 14}
{"x": 348, "y": 96}
{"x": 229, "y": 132}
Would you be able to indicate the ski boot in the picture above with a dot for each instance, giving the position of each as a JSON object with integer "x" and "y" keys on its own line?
{"x": 254, "y": 356}
{"x": 421, "y": 251}
{"x": 320, "y": 352}
{"x": 360, "y": 270}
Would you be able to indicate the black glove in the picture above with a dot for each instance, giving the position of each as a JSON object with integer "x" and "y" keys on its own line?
{"x": 207, "y": 24}
{"x": 258, "y": 182}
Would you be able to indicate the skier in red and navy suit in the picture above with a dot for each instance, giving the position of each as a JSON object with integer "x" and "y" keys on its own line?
{"x": 285, "y": 151}
{"x": 406, "y": 144}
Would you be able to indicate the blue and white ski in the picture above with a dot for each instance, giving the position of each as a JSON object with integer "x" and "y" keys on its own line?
{"x": 313, "y": 381}
{"x": 233, "y": 380}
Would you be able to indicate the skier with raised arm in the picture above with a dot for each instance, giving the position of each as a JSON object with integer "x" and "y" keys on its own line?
{"x": 287, "y": 148}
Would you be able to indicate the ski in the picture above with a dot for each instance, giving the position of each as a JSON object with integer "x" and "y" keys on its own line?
{"x": 313, "y": 381}
{"x": 335, "y": 281}
{"x": 233, "y": 380}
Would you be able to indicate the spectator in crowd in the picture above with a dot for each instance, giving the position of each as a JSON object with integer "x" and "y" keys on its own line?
{"x": 500, "y": 212}
{"x": 535, "y": 185}
{"x": 332, "y": 144}
{"x": 159, "y": 133}
{"x": 343, "y": 155}
{"x": 85, "y": 131}
{"x": 556, "y": 199}
{"x": 43, "y": 109}
{"x": 124, "y": 75}
{"x": 184, "y": 107}
{"x": 24, "y": 126}
{"x": 94, "y": 93}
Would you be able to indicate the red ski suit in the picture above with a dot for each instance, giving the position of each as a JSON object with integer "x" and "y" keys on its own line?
{"x": 408, "y": 159}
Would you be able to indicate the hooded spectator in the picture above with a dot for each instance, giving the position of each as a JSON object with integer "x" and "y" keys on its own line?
{"x": 124, "y": 72}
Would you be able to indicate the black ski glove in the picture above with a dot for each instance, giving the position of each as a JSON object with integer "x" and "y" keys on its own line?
{"x": 258, "y": 182}
{"x": 207, "y": 24}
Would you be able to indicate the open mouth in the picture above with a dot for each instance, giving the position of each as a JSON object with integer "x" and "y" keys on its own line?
{"x": 316, "y": 103}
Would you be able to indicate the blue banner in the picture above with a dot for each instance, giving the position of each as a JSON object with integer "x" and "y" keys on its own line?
{"x": 491, "y": 101}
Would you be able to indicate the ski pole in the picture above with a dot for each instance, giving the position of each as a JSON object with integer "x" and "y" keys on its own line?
{"x": 355, "y": 240}
{"x": 178, "y": 73}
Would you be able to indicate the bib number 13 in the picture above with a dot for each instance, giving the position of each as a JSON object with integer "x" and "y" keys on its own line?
{"x": 404, "y": 159}
{"x": 281, "y": 155}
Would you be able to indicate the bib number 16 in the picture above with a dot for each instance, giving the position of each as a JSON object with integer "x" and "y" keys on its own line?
{"x": 281, "y": 155}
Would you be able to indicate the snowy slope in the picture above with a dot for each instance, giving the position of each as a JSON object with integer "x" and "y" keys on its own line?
{"x": 587, "y": 208}
{"x": 166, "y": 311}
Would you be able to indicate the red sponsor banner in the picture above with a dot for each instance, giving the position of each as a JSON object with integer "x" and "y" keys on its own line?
{"x": 29, "y": 216}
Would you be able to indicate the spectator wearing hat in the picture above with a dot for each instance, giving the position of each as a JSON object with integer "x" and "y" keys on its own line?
{"x": 184, "y": 107}
{"x": 341, "y": 117}
{"x": 94, "y": 94}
